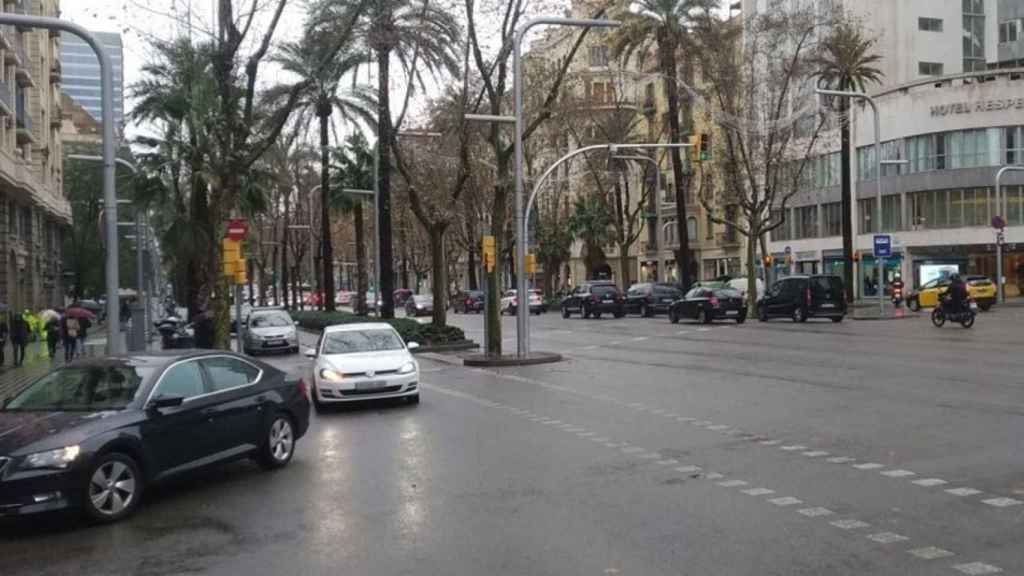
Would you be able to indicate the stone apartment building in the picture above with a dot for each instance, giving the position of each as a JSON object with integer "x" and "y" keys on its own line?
{"x": 631, "y": 98}
{"x": 32, "y": 204}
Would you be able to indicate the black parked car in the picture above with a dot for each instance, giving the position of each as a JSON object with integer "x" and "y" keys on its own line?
{"x": 95, "y": 434}
{"x": 649, "y": 298}
{"x": 419, "y": 305}
{"x": 469, "y": 301}
{"x": 803, "y": 297}
{"x": 593, "y": 299}
{"x": 707, "y": 304}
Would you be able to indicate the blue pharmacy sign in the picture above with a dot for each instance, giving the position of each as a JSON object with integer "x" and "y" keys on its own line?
{"x": 883, "y": 246}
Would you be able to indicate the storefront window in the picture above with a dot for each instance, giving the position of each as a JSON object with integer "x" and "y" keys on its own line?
{"x": 956, "y": 208}
{"x": 1014, "y": 151}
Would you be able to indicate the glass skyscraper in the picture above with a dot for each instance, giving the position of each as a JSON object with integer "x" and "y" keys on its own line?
{"x": 81, "y": 73}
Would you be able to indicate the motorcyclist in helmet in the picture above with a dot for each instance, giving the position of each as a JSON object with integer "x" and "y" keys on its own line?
{"x": 957, "y": 293}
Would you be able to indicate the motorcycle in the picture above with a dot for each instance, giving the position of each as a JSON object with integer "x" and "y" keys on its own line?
{"x": 174, "y": 333}
{"x": 965, "y": 316}
{"x": 897, "y": 294}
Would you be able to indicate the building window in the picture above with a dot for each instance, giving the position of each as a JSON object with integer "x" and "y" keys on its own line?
{"x": 974, "y": 35}
{"x": 929, "y": 68}
{"x": 598, "y": 56}
{"x": 929, "y": 24}
{"x": 669, "y": 233}
{"x": 867, "y": 216}
{"x": 691, "y": 229}
{"x": 805, "y": 222}
{"x": 730, "y": 216}
{"x": 709, "y": 232}
{"x": 782, "y": 231}
{"x": 1014, "y": 151}
{"x": 892, "y": 218}
{"x": 833, "y": 217}
{"x": 1013, "y": 205}
{"x": 1010, "y": 31}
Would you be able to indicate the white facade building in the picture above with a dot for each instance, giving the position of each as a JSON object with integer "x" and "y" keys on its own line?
{"x": 952, "y": 105}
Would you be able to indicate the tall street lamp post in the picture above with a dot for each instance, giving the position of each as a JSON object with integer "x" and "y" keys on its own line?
{"x": 999, "y": 236}
{"x": 878, "y": 177}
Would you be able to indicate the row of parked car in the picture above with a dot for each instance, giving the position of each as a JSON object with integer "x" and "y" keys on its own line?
{"x": 795, "y": 297}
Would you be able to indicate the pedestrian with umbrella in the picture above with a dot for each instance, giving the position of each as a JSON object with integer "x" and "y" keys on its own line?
{"x": 71, "y": 328}
{"x": 52, "y": 334}
{"x": 19, "y": 338}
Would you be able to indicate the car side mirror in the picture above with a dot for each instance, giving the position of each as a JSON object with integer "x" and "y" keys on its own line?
{"x": 412, "y": 345}
{"x": 296, "y": 322}
{"x": 166, "y": 401}
{"x": 309, "y": 353}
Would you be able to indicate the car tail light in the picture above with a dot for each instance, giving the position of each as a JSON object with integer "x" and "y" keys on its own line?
{"x": 594, "y": 298}
{"x": 713, "y": 301}
{"x": 304, "y": 389}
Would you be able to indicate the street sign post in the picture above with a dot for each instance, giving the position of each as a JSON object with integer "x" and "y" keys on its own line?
{"x": 883, "y": 247}
{"x": 236, "y": 230}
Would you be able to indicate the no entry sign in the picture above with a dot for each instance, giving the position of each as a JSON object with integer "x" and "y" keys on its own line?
{"x": 236, "y": 230}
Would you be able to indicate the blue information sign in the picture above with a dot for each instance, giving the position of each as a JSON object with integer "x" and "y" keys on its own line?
{"x": 883, "y": 246}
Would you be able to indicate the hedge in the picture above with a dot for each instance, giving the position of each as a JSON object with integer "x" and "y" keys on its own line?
{"x": 409, "y": 329}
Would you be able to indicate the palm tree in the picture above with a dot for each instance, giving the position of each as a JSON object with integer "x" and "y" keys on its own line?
{"x": 319, "y": 72}
{"x": 847, "y": 63}
{"x": 422, "y": 36}
{"x": 355, "y": 170}
{"x": 661, "y": 26}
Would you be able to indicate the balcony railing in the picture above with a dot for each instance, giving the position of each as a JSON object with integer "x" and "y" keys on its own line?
{"x": 6, "y": 100}
{"x": 22, "y": 73}
{"x": 22, "y": 119}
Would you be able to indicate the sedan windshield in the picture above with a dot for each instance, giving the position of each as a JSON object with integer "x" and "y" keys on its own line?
{"x": 270, "y": 321}
{"x": 82, "y": 388}
{"x": 353, "y": 341}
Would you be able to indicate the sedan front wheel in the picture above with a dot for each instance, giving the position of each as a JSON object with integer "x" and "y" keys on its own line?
{"x": 114, "y": 488}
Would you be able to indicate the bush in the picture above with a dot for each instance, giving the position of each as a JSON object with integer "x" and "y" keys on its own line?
{"x": 409, "y": 329}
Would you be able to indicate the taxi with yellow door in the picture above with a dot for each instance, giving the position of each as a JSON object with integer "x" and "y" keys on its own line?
{"x": 981, "y": 288}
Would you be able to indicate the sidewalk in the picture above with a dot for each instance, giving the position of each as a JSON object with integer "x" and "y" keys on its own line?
{"x": 37, "y": 362}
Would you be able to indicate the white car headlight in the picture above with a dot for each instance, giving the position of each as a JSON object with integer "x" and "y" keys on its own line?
{"x": 331, "y": 375}
{"x": 59, "y": 458}
{"x": 407, "y": 368}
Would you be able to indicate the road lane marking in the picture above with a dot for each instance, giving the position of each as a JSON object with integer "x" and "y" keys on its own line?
{"x": 713, "y": 476}
{"x": 929, "y": 482}
{"x": 639, "y": 339}
{"x": 651, "y": 456}
{"x": 977, "y": 569}
{"x": 786, "y": 501}
{"x": 849, "y": 524}
{"x": 758, "y": 492}
{"x": 840, "y": 459}
{"x": 930, "y": 553}
{"x": 703, "y": 329}
{"x": 632, "y": 450}
{"x": 963, "y": 491}
{"x": 868, "y": 466}
{"x": 769, "y": 442}
{"x": 688, "y": 469}
{"x": 732, "y": 483}
{"x": 717, "y": 427}
{"x": 1002, "y": 502}
{"x": 887, "y": 537}
{"x": 815, "y": 512}
{"x": 898, "y": 473}
{"x": 792, "y": 447}
{"x": 815, "y": 453}
{"x": 601, "y": 439}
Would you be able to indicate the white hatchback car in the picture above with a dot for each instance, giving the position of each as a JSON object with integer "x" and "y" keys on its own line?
{"x": 366, "y": 361}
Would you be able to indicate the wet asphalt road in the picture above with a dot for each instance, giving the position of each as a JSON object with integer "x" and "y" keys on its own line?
{"x": 857, "y": 448}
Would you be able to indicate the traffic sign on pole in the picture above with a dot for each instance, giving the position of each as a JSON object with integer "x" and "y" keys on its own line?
{"x": 236, "y": 229}
{"x": 883, "y": 245}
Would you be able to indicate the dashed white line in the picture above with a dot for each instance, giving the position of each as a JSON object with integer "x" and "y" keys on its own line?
{"x": 963, "y": 491}
{"x": 977, "y": 569}
{"x": 600, "y": 439}
{"x": 681, "y": 332}
{"x": 898, "y": 473}
{"x": 815, "y": 453}
{"x": 840, "y": 459}
{"x": 668, "y": 462}
{"x": 632, "y": 450}
{"x": 868, "y": 466}
{"x": 849, "y": 524}
{"x": 718, "y": 427}
{"x": 929, "y": 482}
{"x": 792, "y": 447}
{"x": 639, "y": 339}
{"x": 887, "y": 537}
{"x": 930, "y": 553}
{"x": 732, "y": 483}
{"x": 713, "y": 476}
{"x": 658, "y": 411}
{"x": 690, "y": 470}
{"x": 786, "y": 501}
{"x": 685, "y": 419}
{"x": 758, "y": 492}
{"x": 584, "y": 434}
{"x": 651, "y": 456}
{"x": 815, "y": 512}
{"x": 769, "y": 442}
{"x": 703, "y": 329}
{"x": 1002, "y": 502}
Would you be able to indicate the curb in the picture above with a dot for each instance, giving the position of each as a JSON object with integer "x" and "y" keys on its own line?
{"x": 535, "y": 358}
{"x": 441, "y": 348}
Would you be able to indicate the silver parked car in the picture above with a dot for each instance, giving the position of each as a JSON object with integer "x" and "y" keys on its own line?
{"x": 269, "y": 331}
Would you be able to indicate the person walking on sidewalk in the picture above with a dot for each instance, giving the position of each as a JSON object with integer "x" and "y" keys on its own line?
{"x": 19, "y": 338}
{"x": 4, "y": 332}
{"x": 52, "y": 337}
{"x": 69, "y": 329}
{"x": 83, "y": 324}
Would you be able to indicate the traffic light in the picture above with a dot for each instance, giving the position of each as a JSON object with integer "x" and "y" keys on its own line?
{"x": 695, "y": 148}
{"x": 705, "y": 147}
{"x": 767, "y": 261}
{"x": 488, "y": 252}
{"x": 531, "y": 263}
{"x": 232, "y": 262}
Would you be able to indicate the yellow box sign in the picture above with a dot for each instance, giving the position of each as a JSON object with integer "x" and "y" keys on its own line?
{"x": 232, "y": 262}
{"x": 531, "y": 263}
{"x": 488, "y": 251}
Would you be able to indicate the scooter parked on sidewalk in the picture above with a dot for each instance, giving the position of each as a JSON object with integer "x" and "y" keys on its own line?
{"x": 965, "y": 315}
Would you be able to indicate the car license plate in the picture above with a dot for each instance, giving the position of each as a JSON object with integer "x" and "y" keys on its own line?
{"x": 607, "y": 298}
{"x": 731, "y": 312}
{"x": 275, "y": 342}
{"x": 828, "y": 305}
{"x": 370, "y": 385}
{"x": 666, "y": 300}
{"x": 974, "y": 305}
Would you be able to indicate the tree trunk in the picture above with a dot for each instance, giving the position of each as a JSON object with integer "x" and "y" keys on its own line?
{"x": 493, "y": 308}
{"x": 284, "y": 254}
{"x": 624, "y": 267}
{"x": 667, "y": 56}
{"x": 327, "y": 253}
{"x": 751, "y": 272}
{"x": 249, "y": 274}
{"x": 386, "y": 281}
{"x": 471, "y": 270}
{"x": 439, "y": 275}
{"x": 847, "y": 197}
{"x": 362, "y": 280}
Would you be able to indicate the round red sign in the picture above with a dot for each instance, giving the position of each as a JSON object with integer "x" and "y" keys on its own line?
{"x": 236, "y": 230}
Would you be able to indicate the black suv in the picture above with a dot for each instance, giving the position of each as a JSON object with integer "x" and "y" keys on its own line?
{"x": 593, "y": 299}
{"x": 649, "y": 298}
{"x": 803, "y": 297}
